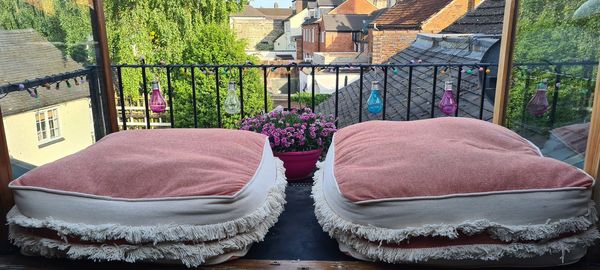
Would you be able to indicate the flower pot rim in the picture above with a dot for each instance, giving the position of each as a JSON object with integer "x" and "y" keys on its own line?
{"x": 314, "y": 151}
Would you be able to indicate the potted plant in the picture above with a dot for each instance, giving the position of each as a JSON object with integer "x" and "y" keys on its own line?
{"x": 297, "y": 137}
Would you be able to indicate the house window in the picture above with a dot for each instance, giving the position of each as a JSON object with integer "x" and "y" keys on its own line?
{"x": 323, "y": 37}
{"x": 46, "y": 122}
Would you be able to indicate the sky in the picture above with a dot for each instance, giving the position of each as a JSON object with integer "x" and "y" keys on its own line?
{"x": 269, "y": 3}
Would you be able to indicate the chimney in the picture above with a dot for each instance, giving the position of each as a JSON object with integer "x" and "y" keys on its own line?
{"x": 470, "y": 5}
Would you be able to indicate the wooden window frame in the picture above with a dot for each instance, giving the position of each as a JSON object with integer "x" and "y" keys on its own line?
{"x": 592, "y": 157}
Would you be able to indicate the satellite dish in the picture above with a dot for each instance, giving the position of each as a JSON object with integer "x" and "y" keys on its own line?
{"x": 587, "y": 9}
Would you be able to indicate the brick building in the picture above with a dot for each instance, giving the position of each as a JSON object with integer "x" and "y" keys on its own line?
{"x": 396, "y": 28}
{"x": 260, "y": 27}
{"x": 336, "y": 27}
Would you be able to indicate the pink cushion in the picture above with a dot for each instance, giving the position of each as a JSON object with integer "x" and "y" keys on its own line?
{"x": 443, "y": 156}
{"x": 156, "y": 164}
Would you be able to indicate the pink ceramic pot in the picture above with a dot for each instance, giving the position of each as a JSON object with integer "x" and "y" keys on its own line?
{"x": 299, "y": 165}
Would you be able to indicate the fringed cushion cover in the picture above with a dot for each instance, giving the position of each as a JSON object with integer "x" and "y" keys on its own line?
{"x": 187, "y": 195}
{"x": 451, "y": 189}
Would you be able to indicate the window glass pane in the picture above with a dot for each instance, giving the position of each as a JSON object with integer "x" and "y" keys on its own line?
{"x": 42, "y": 116}
{"x": 40, "y": 39}
{"x": 555, "y": 67}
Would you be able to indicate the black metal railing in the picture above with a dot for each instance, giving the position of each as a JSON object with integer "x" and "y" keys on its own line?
{"x": 216, "y": 70}
{"x": 560, "y": 72}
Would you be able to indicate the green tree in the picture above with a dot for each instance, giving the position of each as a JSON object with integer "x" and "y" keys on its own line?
{"x": 160, "y": 31}
{"x": 65, "y": 23}
{"x": 183, "y": 32}
{"x": 548, "y": 32}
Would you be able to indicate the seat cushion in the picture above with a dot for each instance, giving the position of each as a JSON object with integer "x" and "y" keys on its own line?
{"x": 450, "y": 189}
{"x": 442, "y": 156}
{"x": 174, "y": 162}
{"x": 136, "y": 178}
{"x": 189, "y": 195}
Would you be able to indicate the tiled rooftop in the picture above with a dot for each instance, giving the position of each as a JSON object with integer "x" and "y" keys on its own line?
{"x": 485, "y": 19}
{"x": 454, "y": 50}
{"x": 26, "y": 55}
{"x": 410, "y": 13}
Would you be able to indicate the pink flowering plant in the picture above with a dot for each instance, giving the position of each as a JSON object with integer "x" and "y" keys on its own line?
{"x": 293, "y": 131}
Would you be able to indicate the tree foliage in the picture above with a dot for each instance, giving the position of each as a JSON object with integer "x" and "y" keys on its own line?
{"x": 183, "y": 32}
{"x": 548, "y": 32}
{"x": 64, "y": 23}
{"x": 160, "y": 31}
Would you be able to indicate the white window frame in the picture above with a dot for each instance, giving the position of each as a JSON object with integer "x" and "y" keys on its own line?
{"x": 323, "y": 37}
{"x": 48, "y": 130}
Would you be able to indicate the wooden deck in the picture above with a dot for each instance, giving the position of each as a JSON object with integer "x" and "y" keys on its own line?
{"x": 15, "y": 261}
{"x": 19, "y": 262}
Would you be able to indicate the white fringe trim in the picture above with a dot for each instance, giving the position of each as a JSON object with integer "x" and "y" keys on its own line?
{"x": 481, "y": 252}
{"x": 336, "y": 225}
{"x": 268, "y": 212}
{"x": 208, "y": 240}
{"x": 190, "y": 255}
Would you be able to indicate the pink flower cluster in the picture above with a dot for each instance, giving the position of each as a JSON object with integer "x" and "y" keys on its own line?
{"x": 295, "y": 130}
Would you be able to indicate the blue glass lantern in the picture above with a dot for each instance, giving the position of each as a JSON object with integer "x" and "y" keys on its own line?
{"x": 375, "y": 102}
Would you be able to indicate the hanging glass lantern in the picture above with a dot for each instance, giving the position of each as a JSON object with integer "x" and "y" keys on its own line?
{"x": 157, "y": 101}
{"x": 448, "y": 104}
{"x": 232, "y": 101}
{"x": 538, "y": 105}
{"x": 375, "y": 102}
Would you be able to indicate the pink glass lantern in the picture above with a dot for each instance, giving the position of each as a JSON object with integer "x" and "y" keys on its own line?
{"x": 538, "y": 105}
{"x": 448, "y": 104}
{"x": 157, "y": 101}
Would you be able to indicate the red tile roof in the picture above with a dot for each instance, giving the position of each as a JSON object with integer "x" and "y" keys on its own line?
{"x": 409, "y": 13}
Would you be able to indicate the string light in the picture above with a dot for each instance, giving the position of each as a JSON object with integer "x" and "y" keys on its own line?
{"x": 33, "y": 92}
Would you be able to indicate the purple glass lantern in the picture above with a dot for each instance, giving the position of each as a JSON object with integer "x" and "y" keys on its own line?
{"x": 157, "y": 101}
{"x": 538, "y": 105}
{"x": 448, "y": 104}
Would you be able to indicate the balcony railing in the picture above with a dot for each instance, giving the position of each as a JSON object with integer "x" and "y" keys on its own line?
{"x": 214, "y": 72}
{"x": 427, "y": 72}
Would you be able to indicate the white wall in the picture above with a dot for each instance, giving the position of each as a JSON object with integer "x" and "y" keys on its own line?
{"x": 292, "y": 27}
{"x": 325, "y": 81}
{"x": 76, "y": 129}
